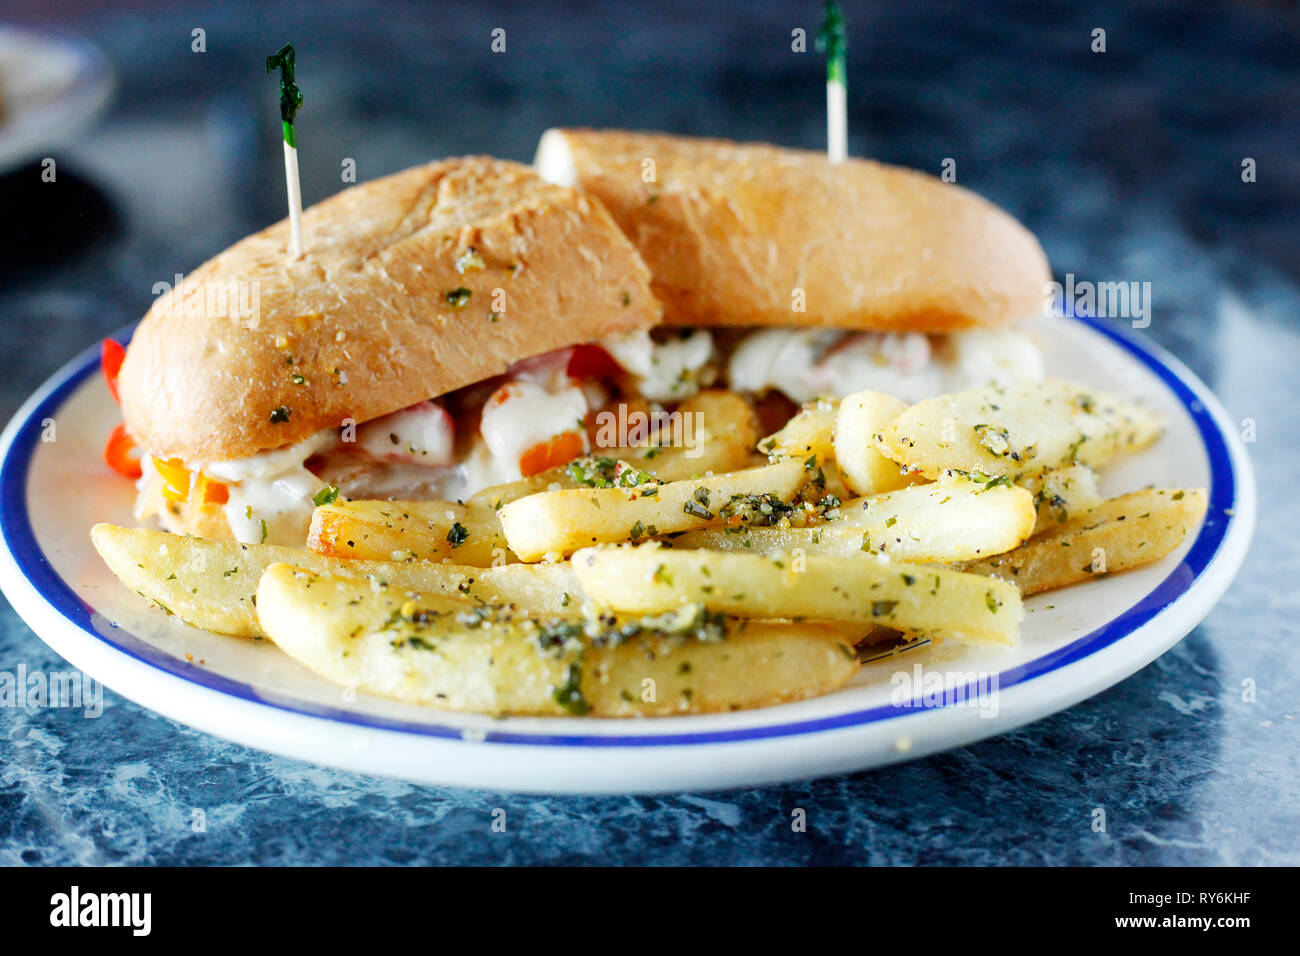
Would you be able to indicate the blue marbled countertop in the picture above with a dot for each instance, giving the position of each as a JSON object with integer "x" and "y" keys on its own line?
{"x": 1127, "y": 164}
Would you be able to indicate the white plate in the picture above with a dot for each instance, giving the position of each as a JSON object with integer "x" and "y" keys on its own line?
{"x": 52, "y": 85}
{"x": 1075, "y": 642}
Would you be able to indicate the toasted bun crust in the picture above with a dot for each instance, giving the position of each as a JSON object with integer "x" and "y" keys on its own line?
{"x": 730, "y": 231}
{"x": 362, "y": 324}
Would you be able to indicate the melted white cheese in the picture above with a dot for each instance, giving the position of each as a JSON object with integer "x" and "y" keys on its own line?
{"x": 270, "y": 493}
{"x": 275, "y": 509}
{"x": 270, "y": 463}
{"x": 812, "y": 363}
{"x": 148, "y": 489}
{"x": 982, "y": 357}
{"x": 662, "y": 371}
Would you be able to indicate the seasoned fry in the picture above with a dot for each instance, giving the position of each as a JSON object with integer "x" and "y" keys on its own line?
{"x": 955, "y": 519}
{"x": 494, "y": 496}
{"x": 1062, "y": 493}
{"x": 807, "y": 433}
{"x": 529, "y": 588}
{"x": 431, "y": 650}
{"x": 714, "y": 584}
{"x": 652, "y": 579}
{"x": 560, "y": 522}
{"x": 212, "y": 584}
{"x": 863, "y": 468}
{"x": 406, "y": 530}
{"x": 723, "y": 440}
{"x": 1119, "y": 534}
{"x": 807, "y": 437}
{"x": 719, "y": 436}
{"x": 1016, "y": 430}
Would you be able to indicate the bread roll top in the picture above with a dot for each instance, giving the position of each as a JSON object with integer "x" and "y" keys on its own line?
{"x": 411, "y": 286}
{"x": 739, "y": 234}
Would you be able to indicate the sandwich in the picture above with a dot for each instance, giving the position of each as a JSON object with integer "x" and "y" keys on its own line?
{"x": 460, "y": 325}
{"x": 429, "y": 342}
{"x": 811, "y": 279}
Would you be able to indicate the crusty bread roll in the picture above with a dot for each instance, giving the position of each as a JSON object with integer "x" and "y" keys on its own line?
{"x": 388, "y": 306}
{"x": 730, "y": 231}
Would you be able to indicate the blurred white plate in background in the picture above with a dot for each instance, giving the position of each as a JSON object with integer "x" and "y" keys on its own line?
{"x": 51, "y": 86}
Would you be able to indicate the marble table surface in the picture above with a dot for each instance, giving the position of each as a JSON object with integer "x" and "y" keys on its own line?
{"x": 1126, "y": 163}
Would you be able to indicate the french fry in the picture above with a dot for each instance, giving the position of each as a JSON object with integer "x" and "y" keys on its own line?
{"x": 1120, "y": 533}
{"x": 700, "y": 581}
{"x": 651, "y": 579}
{"x": 863, "y": 468}
{"x": 213, "y": 584}
{"x": 808, "y": 433}
{"x": 717, "y": 434}
{"x": 494, "y": 497}
{"x": 431, "y": 650}
{"x": 955, "y": 519}
{"x": 406, "y": 530}
{"x": 1061, "y": 493}
{"x": 1016, "y": 430}
{"x": 528, "y": 588}
{"x": 555, "y": 523}
{"x": 807, "y": 436}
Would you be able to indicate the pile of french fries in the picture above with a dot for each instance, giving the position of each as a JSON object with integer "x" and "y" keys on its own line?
{"x": 736, "y": 573}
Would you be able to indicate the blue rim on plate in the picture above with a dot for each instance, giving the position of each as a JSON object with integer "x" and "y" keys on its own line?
{"x": 17, "y": 533}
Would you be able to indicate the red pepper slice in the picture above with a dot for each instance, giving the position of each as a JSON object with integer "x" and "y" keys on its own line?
{"x": 111, "y": 355}
{"x": 592, "y": 361}
{"x": 119, "y": 453}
